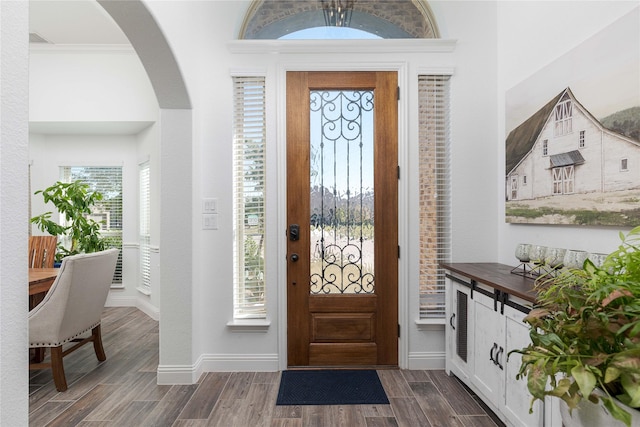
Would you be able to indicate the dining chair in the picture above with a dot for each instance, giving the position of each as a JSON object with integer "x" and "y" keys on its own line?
{"x": 42, "y": 251}
{"x": 72, "y": 307}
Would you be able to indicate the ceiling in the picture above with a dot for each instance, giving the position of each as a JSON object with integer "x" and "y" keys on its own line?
{"x": 73, "y": 22}
{"x": 77, "y": 22}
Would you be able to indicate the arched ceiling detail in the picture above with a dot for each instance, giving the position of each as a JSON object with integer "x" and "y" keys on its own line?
{"x": 271, "y": 19}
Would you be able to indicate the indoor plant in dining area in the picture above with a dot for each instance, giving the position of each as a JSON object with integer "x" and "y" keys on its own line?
{"x": 585, "y": 338}
{"x": 80, "y": 233}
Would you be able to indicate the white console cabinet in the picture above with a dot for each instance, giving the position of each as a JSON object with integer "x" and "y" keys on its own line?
{"x": 485, "y": 322}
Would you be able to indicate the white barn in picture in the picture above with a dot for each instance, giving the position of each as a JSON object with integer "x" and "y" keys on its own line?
{"x": 562, "y": 149}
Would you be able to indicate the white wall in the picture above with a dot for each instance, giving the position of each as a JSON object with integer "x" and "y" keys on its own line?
{"x": 80, "y": 83}
{"x": 474, "y": 131}
{"x": 14, "y": 71}
{"x": 532, "y": 34}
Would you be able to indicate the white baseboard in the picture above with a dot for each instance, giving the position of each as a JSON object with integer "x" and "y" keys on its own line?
{"x": 427, "y": 360}
{"x": 177, "y": 374}
{"x": 148, "y": 309}
{"x": 174, "y": 374}
{"x": 120, "y": 301}
{"x": 238, "y": 363}
{"x": 133, "y": 301}
{"x": 182, "y": 374}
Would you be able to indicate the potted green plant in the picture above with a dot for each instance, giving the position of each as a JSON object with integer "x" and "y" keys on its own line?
{"x": 585, "y": 334}
{"x": 74, "y": 202}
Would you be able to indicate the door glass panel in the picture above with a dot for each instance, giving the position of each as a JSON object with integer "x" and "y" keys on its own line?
{"x": 341, "y": 176}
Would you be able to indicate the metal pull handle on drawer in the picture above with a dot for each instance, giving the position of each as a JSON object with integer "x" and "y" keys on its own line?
{"x": 498, "y": 355}
{"x": 491, "y": 356}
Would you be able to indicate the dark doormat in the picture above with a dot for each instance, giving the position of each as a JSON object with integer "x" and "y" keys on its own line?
{"x": 331, "y": 387}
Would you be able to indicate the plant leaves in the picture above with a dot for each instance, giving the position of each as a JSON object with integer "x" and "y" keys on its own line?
{"x": 537, "y": 380}
{"x": 571, "y": 399}
{"x": 618, "y": 293}
{"x": 585, "y": 379}
{"x": 631, "y": 385}
{"x": 616, "y": 411}
{"x": 74, "y": 202}
{"x": 611, "y": 374}
{"x": 551, "y": 340}
{"x": 628, "y": 360}
{"x": 561, "y": 389}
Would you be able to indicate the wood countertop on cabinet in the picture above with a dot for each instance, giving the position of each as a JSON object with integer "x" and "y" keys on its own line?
{"x": 497, "y": 276}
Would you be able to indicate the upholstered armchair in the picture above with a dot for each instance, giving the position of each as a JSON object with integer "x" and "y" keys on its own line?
{"x": 72, "y": 307}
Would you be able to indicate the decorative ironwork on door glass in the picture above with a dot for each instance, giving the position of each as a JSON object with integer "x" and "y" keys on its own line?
{"x": 342, "y": 196}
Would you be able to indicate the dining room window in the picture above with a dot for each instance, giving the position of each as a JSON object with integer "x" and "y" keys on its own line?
{"x": 249, "y": 189}
{"x": 435, "y": 192}
{"x": 144, "y": 226}
{"x": 107, "y": 180}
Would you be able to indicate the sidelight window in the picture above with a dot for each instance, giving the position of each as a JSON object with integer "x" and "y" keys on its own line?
{"x": 249, "y": 155}
{"x": 435, "y": 192}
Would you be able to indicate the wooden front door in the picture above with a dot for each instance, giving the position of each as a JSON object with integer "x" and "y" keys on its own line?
{"x": 342, "y": 213}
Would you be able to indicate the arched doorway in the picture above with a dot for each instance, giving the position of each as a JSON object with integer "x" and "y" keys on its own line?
{"x": 149, "y": 42}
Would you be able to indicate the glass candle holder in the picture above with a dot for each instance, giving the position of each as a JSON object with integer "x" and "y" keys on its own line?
{"x": 597, "y": 259}
{"x": 537, "y": 254}
{"x": 554, "y": 257}
{"x": 574, "y": 258}
{"x": 522, "y": 252}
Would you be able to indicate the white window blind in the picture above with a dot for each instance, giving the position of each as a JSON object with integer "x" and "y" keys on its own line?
{"x": 108, "y": 211}
{"x": 145, "y": 226}
{"x": 249, "y": 135}
{"x": 435, "y": 192}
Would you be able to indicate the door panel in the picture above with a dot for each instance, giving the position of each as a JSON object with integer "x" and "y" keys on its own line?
{"x": 342, "y": 196}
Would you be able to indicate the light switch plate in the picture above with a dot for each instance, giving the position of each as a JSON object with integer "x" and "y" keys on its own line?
{"x": 209, "y": 221}
{"x": 209, "y": 206}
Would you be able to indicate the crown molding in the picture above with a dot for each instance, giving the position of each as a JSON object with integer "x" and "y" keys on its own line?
{"x": 342, "y": 46}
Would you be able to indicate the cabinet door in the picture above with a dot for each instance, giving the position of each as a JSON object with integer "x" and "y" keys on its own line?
{"x": 517, "y": 397}
{"x": 458, "y": 331}
{"x": 488, "y": 348}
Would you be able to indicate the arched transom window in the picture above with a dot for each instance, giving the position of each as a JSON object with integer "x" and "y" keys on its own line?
{"x": 389, "y": 19}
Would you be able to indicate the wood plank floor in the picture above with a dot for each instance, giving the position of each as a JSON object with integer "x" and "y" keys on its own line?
{"x": 122, "y": 391}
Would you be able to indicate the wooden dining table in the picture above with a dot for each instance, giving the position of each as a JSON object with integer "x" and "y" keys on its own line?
{"x": 40, "y": 281}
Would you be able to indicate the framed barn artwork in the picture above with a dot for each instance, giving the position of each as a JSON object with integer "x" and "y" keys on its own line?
{"x": 572, "y": 151}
